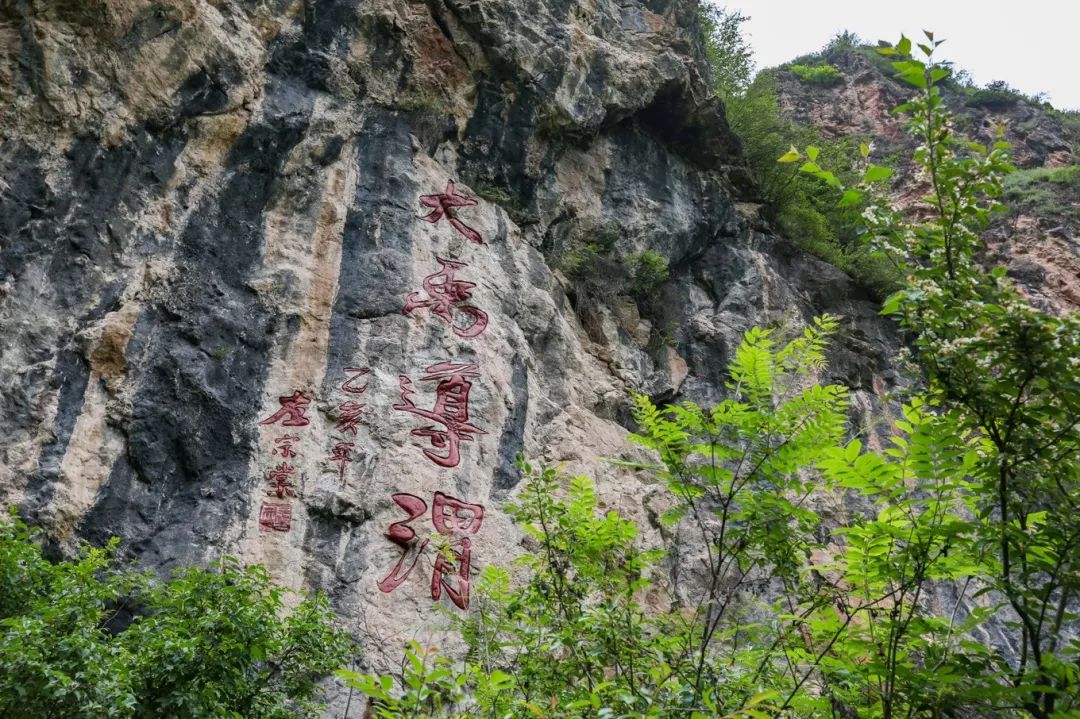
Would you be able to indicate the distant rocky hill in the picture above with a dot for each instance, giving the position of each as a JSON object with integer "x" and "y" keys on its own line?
{"x": 850, "y": 91}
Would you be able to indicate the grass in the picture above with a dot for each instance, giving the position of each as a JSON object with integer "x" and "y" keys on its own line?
{"x": 1045, "y": 191}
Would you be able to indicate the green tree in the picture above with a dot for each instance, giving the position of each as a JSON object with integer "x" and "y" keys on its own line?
{"x": 1009, "y": 374}
{"x": 730, "y": 57}
{"x": 576, "y": 637}
{"x": 209, "y": 643}
{"x": 765, "y": 609}
{"x": 802, "y": 208}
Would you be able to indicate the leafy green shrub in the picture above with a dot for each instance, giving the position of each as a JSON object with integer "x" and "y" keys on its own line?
{"x": 581, "y": 261}
{"x": 729, "y": 56}
{"x": 818, "y": 75}
{"x": 648, "y": 270}
{"x": 813, "y": 232}
{"x": 207, "y": 644}
{"x": 591, "y": 257}
{"x": 841, "y": 42}
{"x": 996, "y": 96}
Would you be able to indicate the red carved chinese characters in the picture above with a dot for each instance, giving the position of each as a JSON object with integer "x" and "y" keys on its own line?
{"x": 447, "y": 295}
{"x": 285, "y": 445}
{"x": 349, "y": 385}
{"x": 348, "y": 418}
{"x": 342, "y": 454}
{"x": 444, "y": 206}
{"x": 453, "y": 519}
{"x": 281, "y": 481}
{"x": 293, "y": 411}
{"x": 451, "y": 410}
{"x": 275, "y": 517}
{"x": 403, "y": 535}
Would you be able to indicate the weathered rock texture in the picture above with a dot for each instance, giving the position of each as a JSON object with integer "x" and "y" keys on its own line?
{"x": 206, "y": 205}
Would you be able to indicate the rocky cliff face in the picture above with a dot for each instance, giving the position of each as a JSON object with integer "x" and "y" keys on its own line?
{"x": 1039, "y": 239}
{"x": 265, "y": 265}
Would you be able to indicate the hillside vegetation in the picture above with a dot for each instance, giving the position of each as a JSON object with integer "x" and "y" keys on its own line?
{"x": 843, "y": 97}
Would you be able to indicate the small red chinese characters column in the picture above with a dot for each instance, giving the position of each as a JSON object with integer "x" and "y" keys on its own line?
{"x": 276, "y": 516}
{"x": 452, "y": 518}
{"x": 348, "y": 419}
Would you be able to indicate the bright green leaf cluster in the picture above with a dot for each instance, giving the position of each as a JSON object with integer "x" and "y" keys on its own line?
{"x": 88, "y": 638}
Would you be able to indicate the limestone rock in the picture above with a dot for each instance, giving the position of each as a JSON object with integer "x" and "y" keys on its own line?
{"x": 210, "y": 222}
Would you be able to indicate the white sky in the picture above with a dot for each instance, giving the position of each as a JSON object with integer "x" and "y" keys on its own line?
{"x": 1034, "y": 45}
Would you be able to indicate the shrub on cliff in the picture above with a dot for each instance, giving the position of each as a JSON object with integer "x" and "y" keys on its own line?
{"x": 90, "y": 638}
{"x": 648, "y": 270}
{"x": 819, "y": 75}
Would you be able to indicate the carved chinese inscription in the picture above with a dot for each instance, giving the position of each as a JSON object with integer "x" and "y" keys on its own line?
{"x": 454, "y": 521}
{"x": 275, "y": 515}
{"x": 342, "y": 454}
{"x": 293, "y": 412}
{"x": 280, "y": 479}
{"x": 447, "y": 297}
{"x": 445, "y": 205}
{"x": 284, "y": 445}
{"x": 349, "y": 414}
{"x": 451, "y": 410}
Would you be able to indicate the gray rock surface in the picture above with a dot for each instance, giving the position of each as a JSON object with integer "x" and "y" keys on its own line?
{"x": 206, "y": 205}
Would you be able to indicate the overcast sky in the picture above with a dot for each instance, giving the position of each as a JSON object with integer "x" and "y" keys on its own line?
{"x": 1031, "y": 44}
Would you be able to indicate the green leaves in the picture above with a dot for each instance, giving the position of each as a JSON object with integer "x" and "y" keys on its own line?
{"x": 974, "y": 484}
{"x": 206, "y": 644}
{"x": 811, "y": 168}
{"x": 790, "y": 156}
{"x": 876, "y": 173}
{"x": 850, "y": 198}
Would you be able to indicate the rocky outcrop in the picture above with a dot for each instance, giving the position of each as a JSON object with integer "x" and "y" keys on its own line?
{"x": 212, "y": 218}
{"x": 1039, "y": 240}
